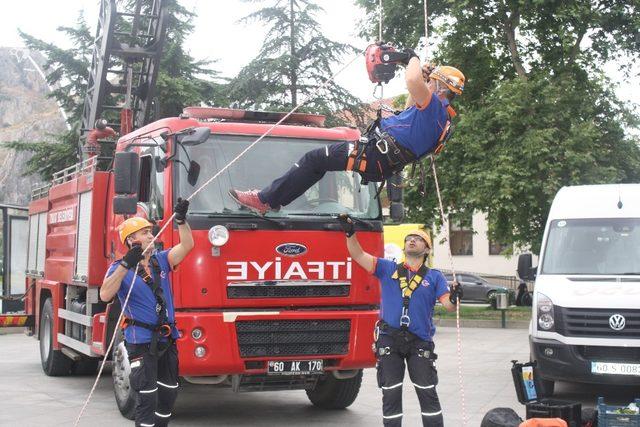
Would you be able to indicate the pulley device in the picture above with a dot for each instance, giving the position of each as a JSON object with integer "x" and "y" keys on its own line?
{"x": 382, "y": 60}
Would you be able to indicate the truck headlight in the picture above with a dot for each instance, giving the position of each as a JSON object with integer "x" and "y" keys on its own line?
{"x": 546, "y": 320}
{"x": 218, "y": 235}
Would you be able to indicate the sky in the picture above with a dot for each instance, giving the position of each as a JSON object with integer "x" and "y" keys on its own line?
{"x": 219, "y": 36}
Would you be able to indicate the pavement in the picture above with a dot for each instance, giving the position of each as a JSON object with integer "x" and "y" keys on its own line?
{"x": 30, "y": 398}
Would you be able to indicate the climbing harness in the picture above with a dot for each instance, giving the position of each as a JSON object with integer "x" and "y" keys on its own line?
{"x": 408, "y": 286}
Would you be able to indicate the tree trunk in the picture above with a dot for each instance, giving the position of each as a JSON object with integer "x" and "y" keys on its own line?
{"x": 293, "y": 77}
{"x": 511, "y": 22}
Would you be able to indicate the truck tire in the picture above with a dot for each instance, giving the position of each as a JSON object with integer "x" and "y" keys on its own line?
{"x": 126, "y": 398}
{"x": 332, "y": 393}
{"x": 54, "y": 362}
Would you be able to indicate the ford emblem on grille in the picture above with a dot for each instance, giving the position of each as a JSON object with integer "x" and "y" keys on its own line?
{"x": 291, "y": 249}
{"x": 617, "y": 322}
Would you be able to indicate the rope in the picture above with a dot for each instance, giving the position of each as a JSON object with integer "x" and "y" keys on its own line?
{"x": 169, "y": 221}
{"x": 445, "y": 224}
{"x": 380, "y": 20}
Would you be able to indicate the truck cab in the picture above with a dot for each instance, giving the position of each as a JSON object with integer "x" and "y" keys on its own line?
{"x": 586, "y": 306}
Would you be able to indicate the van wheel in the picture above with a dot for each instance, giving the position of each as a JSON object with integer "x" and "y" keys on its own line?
{"x": 332, "y": 393}
{"x": 547, "y": 387}
{"x": 54, "y": 362}
{"x": 125, "y": 396}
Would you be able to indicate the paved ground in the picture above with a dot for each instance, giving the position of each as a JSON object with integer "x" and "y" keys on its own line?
{"x": 30, "y": 398}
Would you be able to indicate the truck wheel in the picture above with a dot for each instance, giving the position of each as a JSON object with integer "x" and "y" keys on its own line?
{"x": 332, "y": 393}
{"x": 547, "y": 387}
{"x": 125, "y": 396}
{"x": 54, "y": 362}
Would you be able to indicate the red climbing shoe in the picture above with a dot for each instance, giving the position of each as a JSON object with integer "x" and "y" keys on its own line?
{"x": 250, "y": 200}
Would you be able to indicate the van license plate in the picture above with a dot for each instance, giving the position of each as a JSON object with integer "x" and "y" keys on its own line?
{"x": 295, "y": 367}
{"x": 615, "y": 368}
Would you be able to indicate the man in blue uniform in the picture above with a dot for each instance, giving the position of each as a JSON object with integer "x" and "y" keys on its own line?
{"x": 150, "y": 330}
{"x": 409, "y": 292}
{"x": 388, "y": 145}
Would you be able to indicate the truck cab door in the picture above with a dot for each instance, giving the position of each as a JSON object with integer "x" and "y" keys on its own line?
{"x": 15, "y": 231}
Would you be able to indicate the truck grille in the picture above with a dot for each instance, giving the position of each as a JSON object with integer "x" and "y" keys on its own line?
{"x": 287, "y": 291}
{"x": 623, "y": 354}
{"x": 258, "y": 338}
{"x": 594, "y": 322}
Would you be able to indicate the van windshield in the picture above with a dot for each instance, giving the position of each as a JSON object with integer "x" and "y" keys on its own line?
{"x": 593, "y": 246}
{"x": 336, "y": 192}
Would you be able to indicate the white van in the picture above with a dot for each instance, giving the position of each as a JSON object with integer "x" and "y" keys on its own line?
{"x": 585, "y": 323}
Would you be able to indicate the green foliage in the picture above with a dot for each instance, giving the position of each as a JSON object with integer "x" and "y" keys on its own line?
{"x": 293, "y": 64}
{"x": 182, "y": 81}
{"x": 537, "y": 113}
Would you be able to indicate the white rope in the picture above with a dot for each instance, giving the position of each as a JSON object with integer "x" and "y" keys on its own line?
{"x": 445, "y": 224}
{"x": 169, "y": 221}
{"x": 380, "y": 20}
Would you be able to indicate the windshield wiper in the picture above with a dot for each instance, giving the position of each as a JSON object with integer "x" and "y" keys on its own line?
{"x": 280, "y": 224}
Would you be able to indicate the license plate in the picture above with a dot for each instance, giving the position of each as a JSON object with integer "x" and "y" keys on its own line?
{"x": 295, "y": 367}
{"x": 615, "y": 368}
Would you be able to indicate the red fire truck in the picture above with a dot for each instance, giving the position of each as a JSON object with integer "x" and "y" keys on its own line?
{"x": 262, "y": 302}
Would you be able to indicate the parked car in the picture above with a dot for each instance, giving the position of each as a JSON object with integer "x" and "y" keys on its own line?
{"x": 476, "y": 288}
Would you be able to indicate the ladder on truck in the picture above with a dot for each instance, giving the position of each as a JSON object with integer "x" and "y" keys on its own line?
{"x": 124, "y": 69}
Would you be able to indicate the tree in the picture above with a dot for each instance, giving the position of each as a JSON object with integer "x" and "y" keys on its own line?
{"x": 293, "y": 64}
{"x": 537, "y": 113}
{"x": 181, "y": 81}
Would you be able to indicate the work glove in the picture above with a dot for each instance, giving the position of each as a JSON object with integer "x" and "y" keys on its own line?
{"x": 133, "y": 257}
{"x": 410, "y": 53}
{"x": 347, "y": 224}
{"x": 455, "y": 293}
{"x": 427, "y": 69}
{"x": 180, "y": 210}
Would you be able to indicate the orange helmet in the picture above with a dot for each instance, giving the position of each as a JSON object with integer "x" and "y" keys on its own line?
{"x": 131, "y": 225}
{"x": 422, "y": 234}
{"x": 450, "y": 76}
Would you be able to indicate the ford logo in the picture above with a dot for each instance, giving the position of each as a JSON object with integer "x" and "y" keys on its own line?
{"x": 291, "y": 249}
{"x": 617, "y": 322}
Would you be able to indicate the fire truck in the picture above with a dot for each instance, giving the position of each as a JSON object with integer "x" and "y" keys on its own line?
{"x": 262, "y": 303}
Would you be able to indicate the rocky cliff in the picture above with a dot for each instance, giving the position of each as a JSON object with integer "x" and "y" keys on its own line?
{"x": 26, "y": 114}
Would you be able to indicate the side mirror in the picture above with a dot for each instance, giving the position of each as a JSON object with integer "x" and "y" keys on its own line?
{"x": 394, "y": 188}
{"x": 193, "y": 173}
{"x": 396, "y": 212}
{"x": 125, "y": 205}
{"x": 126, "y": 172}
{"x": 196, "y": 136}
{"x": 525, "y": 269}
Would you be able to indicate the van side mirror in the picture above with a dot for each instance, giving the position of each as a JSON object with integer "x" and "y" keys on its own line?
{"x": 525, "y": 269}
{"x": 396, "y": 212}
{"x": 126, "y": 172}
{"x": 394, "y": 188}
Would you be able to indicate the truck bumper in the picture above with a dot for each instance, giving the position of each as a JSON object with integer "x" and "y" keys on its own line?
{"x": 243, "y": 342}
{"x": 558, "y": 361}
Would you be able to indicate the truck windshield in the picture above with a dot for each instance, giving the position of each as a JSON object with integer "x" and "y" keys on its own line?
{"x": 593, "y": 246}
{"x": 336, "y": 192}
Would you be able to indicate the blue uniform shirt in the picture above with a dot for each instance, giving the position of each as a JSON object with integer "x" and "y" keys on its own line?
{"x": 142, "y": 302}
{"x": 421, "y": 304}
{"x": 418, "y": 129}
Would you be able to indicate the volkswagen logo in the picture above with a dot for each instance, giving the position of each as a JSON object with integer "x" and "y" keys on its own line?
{"x": 291, "y": 249}
{"x": 617, "y": 322}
